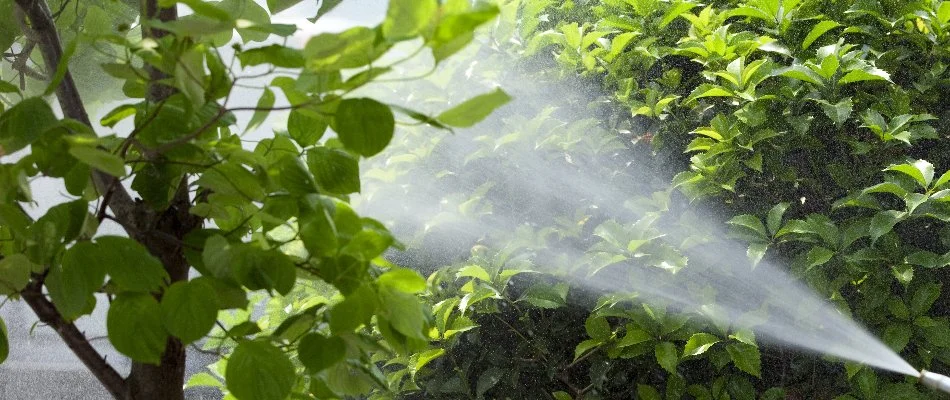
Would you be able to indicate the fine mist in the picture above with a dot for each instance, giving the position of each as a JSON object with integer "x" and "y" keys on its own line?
{"x": 547, "y": 159}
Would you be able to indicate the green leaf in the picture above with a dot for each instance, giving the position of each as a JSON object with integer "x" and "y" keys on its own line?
{"x": 488, "y": 380}
{"x": 546, "y": 296}
{"x": 756, "y": 252}
{"x": 257, "y": 370}
{"x": 403, "y": 279}
{"x": 276, "y": 55}
{"x": 883, "y": 222}
{"x": 818, "y": 30}
{"x": 232, "y": 179}
{"x": 750, "y": 223}
{"x": 364, "y": 125}
{"x": 426, "y": 357}
{"x": 801, "y": 73}
{"x": 14, "y": 273}
{"x": 455, "y": 31}
{"x": 746, "y": 358}
{"x": 306, "y": 130}
{"x": 23, "y": 123}
{"x": 99, "y": 159}
{"x": 597, "y": 328}
{"x": 675, "y": 11}
{"x": 921, "y": 171}
{"x": 72, "y": 284}
{"x": 404, "y": 311}
{"x": 257, "y": 268}
{"x": 561, "y": 395}
{"x": 135, "y": 327}
{"x": 62, "y": 68}
{"x": 699, "y": 343}
{"x": 356, "y": 309}
{"x": 897, "y": 336}
{"x": 924, "y": 297}
{"x": 943, "y": 178}
{"x": 354, "y": 47}
{"x": 667, "y": 356}
{"x": 584, "y": 346}
{"x": 405, "y": 19}
{"x": 325, "y": 7}
{"x": 473, "y": 110}
{"x": 336, "y": 171}
{"x": 839, "y": 112}
{"x": 189, "y": 309}
{"x": 633, "y": 336}
{"x": 118, "y": 114}
{"x": 871, "y": 74}
{"x": 264, "y": 104}
{"x": 139, "y": 270}
{"x": 774, "y": 219}
{"x": 647, "y": 392}
{"x": 474, "y": 271}
{"x": 276, "y": 6}
{"x": 318, "y": 352}
{"x": 818, "y": 256}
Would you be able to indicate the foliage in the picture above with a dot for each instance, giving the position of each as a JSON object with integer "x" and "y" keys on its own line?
{"x": 277, "y": 212}
{"x": 813, "y": 130}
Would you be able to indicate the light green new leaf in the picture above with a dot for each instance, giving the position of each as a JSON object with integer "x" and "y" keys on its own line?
{"x": 426, "y": 357}
{"x": 325, "y": 7}
{"x": 118, "y": 114}
{"x": 584, "y": 346}
{"x": 474, "y": 271}
{"x": 699, "y": 343}
{"x": 257, "y": 370}
{"x": 135, "y": 327}
{"x": 546, "y": 296}
{"x": 318, "y": 352}
{"x": 455, "y": 31}
{"x": 869, "y": 74}
{"x": 99, "y": 159}
{"x": 189, "y": 309}
{"x": 474, "y": 110}
{"x": 921, "y": 170}
{"x": 756, "y": 252}
{"x": 942, "y": 180}
{"x": 667, "y": 356}
{"x": 405, "y": 19}
{"x": 403, "y": 279}
{"x": 364, "y": 125}
{"x": 746, "y": 358}
{"x": 818, "y": 30}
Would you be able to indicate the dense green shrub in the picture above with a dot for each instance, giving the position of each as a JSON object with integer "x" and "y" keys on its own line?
{"x": 802, "y": 125}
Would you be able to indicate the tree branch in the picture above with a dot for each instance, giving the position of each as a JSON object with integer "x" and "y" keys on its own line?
{"x": 43, "y": 30}
{"x": 77, "y": 342}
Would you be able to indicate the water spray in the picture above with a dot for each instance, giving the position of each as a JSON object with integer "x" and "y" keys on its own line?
{"x": 935, "y": 381}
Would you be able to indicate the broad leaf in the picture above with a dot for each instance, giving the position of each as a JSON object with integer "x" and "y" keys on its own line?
{"x": 257, "y": 370}
{"x": 135, "y": 327}
{"x": 699, "y": 343}
{"x": 364, "y": 125}
{"x": 189, "y": 309}
{"x": 474, "y": 110}
{"x": 318, "y": 352}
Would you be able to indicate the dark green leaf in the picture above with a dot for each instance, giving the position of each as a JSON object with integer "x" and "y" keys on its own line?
{"x": 14, "y": 273}
{"x": 364, "y": 125}
{"x": 318, "y": 352}
{"x": 306, "y": 130}
{"x": 597, "y": 328}
{"x": 356, "y": 309}
{"x": 276, "y": 55}
{"x": 4, "y": 342}
{"x": 72, "y": 284}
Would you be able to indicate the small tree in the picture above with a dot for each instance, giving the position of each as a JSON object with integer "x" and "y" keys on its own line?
{"x": 206, "y": 220}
